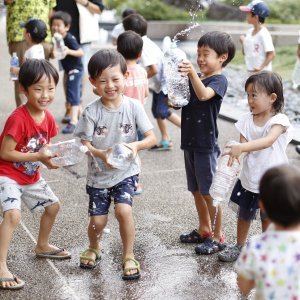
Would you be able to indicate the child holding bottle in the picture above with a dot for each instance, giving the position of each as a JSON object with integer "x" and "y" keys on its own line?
{"x": 264, "y": 135}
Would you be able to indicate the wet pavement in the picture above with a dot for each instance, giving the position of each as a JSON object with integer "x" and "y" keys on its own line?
{"x": 169, "y": 269}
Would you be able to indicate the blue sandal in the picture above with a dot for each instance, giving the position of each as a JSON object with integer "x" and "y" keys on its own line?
{"x": 210, "y": 246}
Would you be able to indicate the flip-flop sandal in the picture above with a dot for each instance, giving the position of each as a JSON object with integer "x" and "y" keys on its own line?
{"x": 96, "y": 261}
{"x": 54, "y": 254}
{"x": 136, "y": 267}
{"x": 19, "y": 285}
{"x": 194, "y": 237}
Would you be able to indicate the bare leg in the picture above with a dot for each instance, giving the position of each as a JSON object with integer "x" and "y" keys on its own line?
{"x": 243, "y": 227}
{"x": 162, "y": 125}
{"x": 175, "y": 119}
{"x": 75, "y": 113}
{"x": 7, "y": 227}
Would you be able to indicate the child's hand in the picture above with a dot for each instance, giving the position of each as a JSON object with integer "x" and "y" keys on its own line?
{"x": 242, "y": 39}
{"x": 45, "y": 158}
{"x": 133, "y": 147}
{"x": 66, "y": 51}
{"x": 185, "y": 68}
{"x": 234, "y": 151}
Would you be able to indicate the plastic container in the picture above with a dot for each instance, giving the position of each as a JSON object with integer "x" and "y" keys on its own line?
{"x": 296, "y": 75}
{"x": 120, "y": 157}
{"x": 224, "y": 178}
{"x": 14, "y": 62}
{"x": 177, "y": 85}
{"x": 69, "y": 152}
{"x": 59, "y": 46}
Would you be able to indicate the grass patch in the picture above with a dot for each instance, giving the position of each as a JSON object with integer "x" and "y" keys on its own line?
{"x": 283, "y": 63}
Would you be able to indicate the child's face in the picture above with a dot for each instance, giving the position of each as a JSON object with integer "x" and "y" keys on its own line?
{"x": 208, "y": 60}
{"x": 110, "y": 84}
{"x": 258, "y": 100}
{"x": 59, "y": 27}
{"x": 251, "y": 19}
{"x": 40, "y": 94}
{"x": 27, "y": 36}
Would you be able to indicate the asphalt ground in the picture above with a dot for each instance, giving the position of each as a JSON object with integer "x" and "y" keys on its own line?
{"x": 169, "y": 269}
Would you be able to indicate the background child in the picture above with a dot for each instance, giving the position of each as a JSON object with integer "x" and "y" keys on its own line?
{"x": 199, "y": 134}
{"x": 26, "y": 131}
{"x": 130, "y": 45}
{"x": 270, "y": 262}
{"x": 152, "y": 60}
{"x": 264, "y": 135}
{"x": 60, "y": 22}
{"x": 109, "y": 120}
{"x": 257, "y": 45}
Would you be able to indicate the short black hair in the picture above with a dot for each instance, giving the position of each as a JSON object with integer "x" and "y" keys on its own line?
{"x": 32, "y": 70}
{"x": 220, "y": 42}
{"x": 103, "y": 59}
{"x": 61, "y": 15}
{"x": 136, "y": 23}
{"x": 130, "y": 44}
{"x": 270, "y": 82}
{"x": 127, "y": 12}
{"x": 279, "y": 192}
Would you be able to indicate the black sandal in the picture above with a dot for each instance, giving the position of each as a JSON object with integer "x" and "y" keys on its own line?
{"x": 193, "y": 237}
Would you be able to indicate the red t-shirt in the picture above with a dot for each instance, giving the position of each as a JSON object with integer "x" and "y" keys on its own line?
{"x": 30, "y": 137}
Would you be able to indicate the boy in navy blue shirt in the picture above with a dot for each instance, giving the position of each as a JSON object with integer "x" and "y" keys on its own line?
{"x": 199, "y": 135}
{"x": 60, "y": 22}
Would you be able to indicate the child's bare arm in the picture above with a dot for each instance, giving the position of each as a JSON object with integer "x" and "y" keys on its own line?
{"x": 151, "y": 71}
{"x": 148, "y": 141}
{"x": 76, "y": 53}
{"x": 245, "y": 285}
{"x": 203, "y": 93}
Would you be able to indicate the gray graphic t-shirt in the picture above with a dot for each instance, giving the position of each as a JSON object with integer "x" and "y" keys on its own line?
{"x": 104, "y": 127}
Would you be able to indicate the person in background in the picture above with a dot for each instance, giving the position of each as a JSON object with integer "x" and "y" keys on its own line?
{"x": 270, "y": 262}
{"x": 257, "y": 44}
{"x": 16, "y": 13}
{"x": 119, "y": 28}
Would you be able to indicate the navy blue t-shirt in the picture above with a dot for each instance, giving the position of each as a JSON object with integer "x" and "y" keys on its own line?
{"x": 199, "y": 131}
{"x": 71, "y": 62}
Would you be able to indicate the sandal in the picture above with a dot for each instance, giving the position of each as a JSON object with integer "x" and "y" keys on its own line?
{"x": 19, "y": 285}
{"x": 136, "y": 267}
{"x": 210, "y": 246}
{"x": 194, "y": 237}
{"x": 96, "y": 261}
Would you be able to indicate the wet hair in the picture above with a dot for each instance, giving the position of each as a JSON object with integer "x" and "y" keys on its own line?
{"x": 130, "y": 44}
{"x": 105, "y": 58}
{"x": 269, "y": 82}
{"x": 220, "y": 42}
{"x": 127, "y": 12}
{"x": 279, "y": 191}
{"x": 260, "y": 19}
{"x": 136, "y": 23}
{"x": 32, "y": 70}
{"x": 61, "y": 15}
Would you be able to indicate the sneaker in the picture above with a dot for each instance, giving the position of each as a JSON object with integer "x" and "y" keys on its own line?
{"x": 298, "y": 149}
{"x": 66, "y": 119}
{"x": 69, "y": 129}
{"x": 230, "y": 254}
{"x": 164, "y": 145}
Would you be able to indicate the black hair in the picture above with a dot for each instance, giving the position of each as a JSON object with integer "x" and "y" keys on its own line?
{"x": 130, "y": 44}
{"x": 103, "y": 59}
{"x": 260, "y": 19}
{"x": 32, "y": 70}
{"x": 269, "y": 82}
{"x": 127, "y": 12}
{"x": 136, "y": 23}
{"x": 220, "y": 42}
{"x": 279, "y": 192}
{"x": 61, "y": 15}
{"x": 37, "y": 30}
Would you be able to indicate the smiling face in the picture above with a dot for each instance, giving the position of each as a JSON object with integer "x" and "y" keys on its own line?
{"x": 110, "y": 85}
{"x": 59, "y": 26}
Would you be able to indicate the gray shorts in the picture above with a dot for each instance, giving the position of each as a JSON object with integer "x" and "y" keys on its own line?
{"x": 36, "y": 196}
{"x": 200, "y": 168}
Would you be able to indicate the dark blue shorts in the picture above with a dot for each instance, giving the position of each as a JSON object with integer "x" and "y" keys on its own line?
{"x": 100, "y": 199}
{"x": 245, "y": 203}
{"x": 160, "y": 108}
{"x": 74, "y": 87}
{"x": 200, "y": 168}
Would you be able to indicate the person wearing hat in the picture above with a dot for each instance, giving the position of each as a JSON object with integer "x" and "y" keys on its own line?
{"x": 257, "y": 44}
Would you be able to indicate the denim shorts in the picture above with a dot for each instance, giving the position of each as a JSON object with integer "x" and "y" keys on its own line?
{"x": 74, "y": 87}
{"x": 160, "y": 107}
{"x": 100, "y": 199}
{"x": 200, "y": 168}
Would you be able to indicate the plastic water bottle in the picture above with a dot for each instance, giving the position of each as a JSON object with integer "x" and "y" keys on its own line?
{"x": 59, "y": 46}
{"x": 14, "y": 62}
{"x": 296, "y": 75}
{"x": 68, "y": 152}
{"x": 120, "y": 157}
{"x": 224, "y": 178}
{"x": 177, "y": 85}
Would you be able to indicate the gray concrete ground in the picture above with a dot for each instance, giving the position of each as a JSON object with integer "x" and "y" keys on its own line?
{"x": 165, "y": 209}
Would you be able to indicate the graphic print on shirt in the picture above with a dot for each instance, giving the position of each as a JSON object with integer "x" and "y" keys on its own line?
{"x": 126, "y": 129}
{"x": 31, "y": 144}
{"x": 101, "y": 130}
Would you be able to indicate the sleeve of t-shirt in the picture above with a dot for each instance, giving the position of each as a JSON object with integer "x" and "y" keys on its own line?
{"x": 283, "y": 120}
{"x": 242, "y": 124}
{"x": 267, "y": 41}
{"x": 15, "y": 127}
{"x": 52, "y": 4}
{"x": 142, "y": 121}
{"x": 219, "y": 85}
{"x": 71, "y": 42}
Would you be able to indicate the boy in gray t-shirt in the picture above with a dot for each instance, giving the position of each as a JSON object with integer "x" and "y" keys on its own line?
{"x": 110, "y": 120}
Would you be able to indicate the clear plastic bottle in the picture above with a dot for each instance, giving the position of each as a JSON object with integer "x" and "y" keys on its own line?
{"x": 177, "y": 85}
{"x": 59, "y": 46}
{"x": 14, "y": 62}
{"x": 68, "y": 152}
{"x": 296, "y": 74}
{"x": 120, "y": 157}
{"x": 225, "y": 177}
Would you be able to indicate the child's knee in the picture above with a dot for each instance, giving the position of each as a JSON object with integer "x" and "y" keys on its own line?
{"x": 12, "y": 217}
{"x": 53, "y": 209}
{"x": 123, "y": 212}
